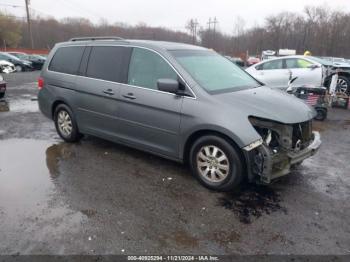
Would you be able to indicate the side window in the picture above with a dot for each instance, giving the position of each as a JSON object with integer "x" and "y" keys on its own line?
{"x": 67, "y": 59}
{"x": 297, "y": 63}
{"x": 146, "y": 67}
{"x": 275, "y": 64}
{"x": 259, "y": 67}
{"x": 107, "y": 63}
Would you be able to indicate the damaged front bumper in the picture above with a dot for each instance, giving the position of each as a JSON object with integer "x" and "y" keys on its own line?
{"x": 268, "y": 164}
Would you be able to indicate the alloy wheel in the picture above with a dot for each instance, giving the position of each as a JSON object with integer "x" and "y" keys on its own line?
{"x": 213, "y": 164}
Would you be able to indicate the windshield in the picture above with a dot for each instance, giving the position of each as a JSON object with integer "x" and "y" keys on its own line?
{"x": 21, "y": 56}
{"x": 213, "y": 72}
{"x": 10, "y": 56}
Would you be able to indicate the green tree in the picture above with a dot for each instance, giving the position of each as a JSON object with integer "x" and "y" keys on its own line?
{"x": 10, "y": 31}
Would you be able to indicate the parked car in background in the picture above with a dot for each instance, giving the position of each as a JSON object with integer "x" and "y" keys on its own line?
{"x": 20, "y": 65}
{"x": 36, "y": 60}
{"x": 236, "y": 60}
{"x": 309, "y": 70}
{"x": 6, "y": 67}
{"x": 2, "y": 87}
{"x": 252, "y": 60}
{"x": 179, "y": 101}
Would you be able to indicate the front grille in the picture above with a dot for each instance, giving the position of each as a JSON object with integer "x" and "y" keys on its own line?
{"x": 302, "y": 135}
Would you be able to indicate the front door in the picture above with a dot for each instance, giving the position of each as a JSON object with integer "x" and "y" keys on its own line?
{"x": 305, "y": 72}
{"x": 149, "y": 118}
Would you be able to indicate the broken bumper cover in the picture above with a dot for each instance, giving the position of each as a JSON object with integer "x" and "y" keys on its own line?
{"x": 297, "y": 157}
{"x": 270, "y": 165}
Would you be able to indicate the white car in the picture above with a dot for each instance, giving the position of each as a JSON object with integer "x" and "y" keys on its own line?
{"x": 277, "y": 72}
{"x": 7, "y": 67}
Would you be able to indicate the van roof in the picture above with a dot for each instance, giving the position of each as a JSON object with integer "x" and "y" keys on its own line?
{"x": 165, "y": 45}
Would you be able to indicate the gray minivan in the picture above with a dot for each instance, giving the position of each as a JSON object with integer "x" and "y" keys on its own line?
{"x": 178, "y": 101}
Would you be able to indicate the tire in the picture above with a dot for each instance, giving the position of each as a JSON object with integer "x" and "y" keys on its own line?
{"x": 201, "y": 160}
{"x": 2, "y": 95}
{"x": 65, "y": 123}
{"x": 18, "y": 68}
{"x": 343, "y": 84}
{"x": 321, "y": 114}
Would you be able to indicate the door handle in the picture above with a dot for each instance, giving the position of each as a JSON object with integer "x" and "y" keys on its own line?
{"x": 108, "y": 92}
{"x": 129, "y": 96}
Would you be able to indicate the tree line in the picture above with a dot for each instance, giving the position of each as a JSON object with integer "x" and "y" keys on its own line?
{"x": 321, "y": 30}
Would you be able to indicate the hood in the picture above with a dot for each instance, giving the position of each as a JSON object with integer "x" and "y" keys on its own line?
{"x": 268, "y": 103}
{"x": 342, "y": 65}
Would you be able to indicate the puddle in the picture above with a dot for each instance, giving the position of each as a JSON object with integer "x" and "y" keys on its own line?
{"x": 23, "y": 105}
{"x": 27, "y": 169}
{"x": 56, "y": 153}
{"x": 251, "y": 202}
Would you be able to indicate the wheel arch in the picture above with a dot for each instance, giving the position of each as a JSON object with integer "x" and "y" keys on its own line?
{"x": 203, "y": 132}
{"x": 55, "y": 104}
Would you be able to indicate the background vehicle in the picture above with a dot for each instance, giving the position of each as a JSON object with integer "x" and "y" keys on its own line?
{"x": 268, "y": 54}
{"x": 309, "y": 70}
{"x": 36, "y": 60}
{"x": 252, "y": 60}
{"x": 20, "y": 65}
{"x": 2, "y": 87}
{"x": 236, "y": 60}
{"x": 276, "y": 72}
{"x": 6, "y": 67}
{"x": 226, "y": 125}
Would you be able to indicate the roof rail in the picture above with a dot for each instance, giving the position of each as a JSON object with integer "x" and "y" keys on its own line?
{"x": 95, "y": 38}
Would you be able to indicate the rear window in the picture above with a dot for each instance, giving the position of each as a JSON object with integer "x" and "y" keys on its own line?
{"x": 108, "y": 63}
{"x": 67, "y": 59}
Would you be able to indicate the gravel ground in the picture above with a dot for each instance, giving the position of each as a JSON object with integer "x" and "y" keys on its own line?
{"x": 96, "y": 197}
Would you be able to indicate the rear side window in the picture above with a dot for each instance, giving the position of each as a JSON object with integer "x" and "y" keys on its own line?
{"x": 67, "y": 59}
{"x": 275, "y": 64}
{"x": 108, "y": 63}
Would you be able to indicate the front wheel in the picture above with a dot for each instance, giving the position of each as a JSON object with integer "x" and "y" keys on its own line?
{"x": 343, "y": 85}
{"x": 18, "y": 68}
{"x": 65, "y": 123}
{"x": 216, "y": 163}
{"x": 321, "y": 114}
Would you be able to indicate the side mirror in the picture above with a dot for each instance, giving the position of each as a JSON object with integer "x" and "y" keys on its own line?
{"x": 168, "y": 85}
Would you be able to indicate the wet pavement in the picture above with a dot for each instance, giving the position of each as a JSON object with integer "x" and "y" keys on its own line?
{"x": 96, "y": 197}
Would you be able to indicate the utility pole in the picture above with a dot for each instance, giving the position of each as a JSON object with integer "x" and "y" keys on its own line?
{"x": 29, "y": 24}
{"x": 195, "y": 24}
{"x": 214, "y": 22}
{"x": 209, "y": 24}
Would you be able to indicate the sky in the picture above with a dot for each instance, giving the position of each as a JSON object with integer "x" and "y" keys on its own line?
{"x": 172, "y": 14}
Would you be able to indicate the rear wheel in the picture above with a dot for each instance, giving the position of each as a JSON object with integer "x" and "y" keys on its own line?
{"x": 216, "y": 163}
{"x": 65, "y": 123}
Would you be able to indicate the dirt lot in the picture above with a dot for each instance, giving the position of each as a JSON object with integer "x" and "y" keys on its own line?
{"x": 96, "y": 197}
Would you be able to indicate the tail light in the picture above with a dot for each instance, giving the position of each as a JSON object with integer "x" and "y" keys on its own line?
{"x": 40, "y": 83}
